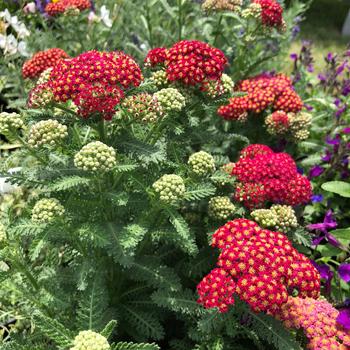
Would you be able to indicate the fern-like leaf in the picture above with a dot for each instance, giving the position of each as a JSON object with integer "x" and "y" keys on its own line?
{"x": 109, "y": 328}
{"x": 199, "y": 192}
{"x": 68, "y": 183}
{"x": 135, "y": 346}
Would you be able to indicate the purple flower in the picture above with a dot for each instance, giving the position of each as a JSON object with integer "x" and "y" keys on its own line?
{"x": 329, "y": 57}
{"x": 322, "y": 77}
{"x": 344, "y": 318}
{"x": 337, "y": 102}
{"x": 344, "y": 272}
{"x": 310, "y": 68}
{"x": 327, "y": 157}
{"x": 340, "y": 111}
{"x": 346, "y": 87}
{"x": 293, "y": 56}
{"x": 317, "y": 198}
{"x": 341, "y": 68}
{"x": 326, "y": 274}
{"x": 308, "y": 107}
{"x": 295, "y": 31}
{"x": 316, "y": 171}
{"x": 346, "y": 130}
{"x": 335, "y": 141}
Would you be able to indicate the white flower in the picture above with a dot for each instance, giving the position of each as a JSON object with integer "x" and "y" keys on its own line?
{"x": 22, "y": 49}
{"x": 105, "y": 16}
{"x": 8, "y": 44}
{"x": 13, "y": 21}
{"x": 29, "y": 8}
{"x": 92, "y": 17}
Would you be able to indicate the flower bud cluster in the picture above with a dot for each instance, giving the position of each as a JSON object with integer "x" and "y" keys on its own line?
{"x": 143, "y": 107}
{"x": 47, "y": 132}
{"x": 222, "y": 5}
{"x": 159, "y": 78}
{"x": 87, "y": 340}
{"x": 216, "y": 88}
{"x": 170, "y": 188}
{"x": 221, "y": 208}
{"x": 47, "y": 210}
{"x": 202, "y": 163}
{"x": 263, "y": 266}
{"x": 318, "y": 320}
{"x": 40, "y": 96}
{"x": 279, "y": 217}
{"x": 170, "y": 99}
{"x": 96, "y": 157}
{"x": 9, "y": 122}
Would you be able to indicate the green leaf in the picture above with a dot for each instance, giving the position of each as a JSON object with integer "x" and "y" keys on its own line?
{"x": 328, "y": 250}
{"x": 343, "y": 233}
{"x": 199, "y": 192}
{"x": 135, "y": 346}
{"x": 339, "y": 187}
{"x": 109, "y": 328}
{"x": 68, "y": 183}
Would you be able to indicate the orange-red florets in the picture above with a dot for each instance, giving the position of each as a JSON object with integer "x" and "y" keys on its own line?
{"x": 41, "y": 61}
{"x": 263, "y": 266}
{"x": 265, "y": 176}
{"x": 271, "y": 12}
{"x": 95, "y": 81}
{"x": 56, "y": 8}
{"x": 156, "y": 56}
{"x": 263, "y": 91}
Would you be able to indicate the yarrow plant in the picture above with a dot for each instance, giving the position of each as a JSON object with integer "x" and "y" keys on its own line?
{"x": 55, "y": 8}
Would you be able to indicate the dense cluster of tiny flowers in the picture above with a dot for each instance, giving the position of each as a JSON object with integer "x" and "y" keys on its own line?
{"x": 41, "y": 61}
{"x": 189, "y": 62}
{"x": 271, "y": 12}
{"x": 279, "y": 217}
{"x": 294, "y": 124}
{"x": 201, "y": 163}
{"x": 222, "y": 5}
{"x": 47, "y": 132}
{"x": 170, "y": 99}
{"x": 265, "y": 176}
{"x": 94, "y": 81}
{"x": 262, "y": 92}
{"x": 221, "y": 208}
{"x": 143, "y": 107}
{"x": 96, "y": 157}
{"x": 61, "y": 6}
{"x": 216, "y": 88}
{"x": 10, "y": 122}
{"x": 170, "y": 188}
{"x": 264, "y": 268}
{"x": 159, "y": 78}
{"x": 90, "y": 340}
{"x": 317, "y": 318}
{"x": 44, "y": 76}
{"x": 47, "y": 210}
{"x": 40, "y": 96}
{"x": 156, "y": 57}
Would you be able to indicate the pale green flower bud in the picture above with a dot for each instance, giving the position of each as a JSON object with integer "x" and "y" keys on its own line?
{"x": 48, "y": 133}
{"x": 10, "y": 122}
{"x": 221, "y": 208}
{"x": 47, "y": 210}
{"x": 89, "y": 340}
{"x": 96, "y": 157}
{"x": 286, "y": 218}
{"x": 265, "y": 217}
{"x": 159, "y": 78}
{"x": 202, "y": 163}
{"x": 44, "y": 76}
{"x": 170, "y": 188}
{"x": 170, "y": 99}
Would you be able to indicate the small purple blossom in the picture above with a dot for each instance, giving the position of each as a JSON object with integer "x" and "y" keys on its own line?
{"x": 329, "y": 57}
{"x": 317, "y": 198}
{"x": 344, "y": 272}
{"x": 310, "y": 68}
{"x": 326, "y": 274}
{"x": 346, "y": 130}
{"x": 293, "y": 56}
{"x": 327, "y": 157}
{"x": 308, "y": 107}
{"x": 344, "y": 318}
{"x": 316, "y": 171}
{"x": 322, "y": 77}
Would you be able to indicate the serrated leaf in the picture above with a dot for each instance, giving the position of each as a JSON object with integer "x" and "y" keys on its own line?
{"x": 199, "y": 192}
{"x": 68, "y": 183}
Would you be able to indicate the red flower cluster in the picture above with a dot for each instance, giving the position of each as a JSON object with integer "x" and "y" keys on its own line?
{"x": 263, "y": 175}
{"x": 318, "y": 320}
{"x": 61, "y": 6}
{"x": 271, "y": 12}
{"x": 190, "y": 62}
{"x": 263, "y": 91}
{"x": 156, "y": 56}
{"x": 95, "y": 81}
{"x": 41, "y": 61}
{"x": 260, "y": 266}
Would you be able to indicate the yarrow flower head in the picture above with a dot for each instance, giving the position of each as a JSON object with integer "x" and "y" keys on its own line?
{"x": 10, "y": 122}
{"x": 217, "y": 88}
{"x": 40, "y": 96}
{"x": 41, "y": 61}
{"x": 222, "y": 5}
{"x": 263, "y": 92}
{"x": 170, "y": 188}
{"x": 202, "y": 163}
{"x": 156, "y": 57}
{"x": 63, "y": 6}
{"x": 317, "y": 318}
{"x": 90, "y": 340}
{"x": 263, "y": 175}
{"x": 96, "y": 157}
{"x": 46, "y": 210}
{"x": 47, "y": 133}
{"x": 221, "y": 208}
{"x": 264, "y": 268}
{"x": 271, "y": 13}
{"x": 44, "y": 76}
{"x": 143, "y": 107}
{"x": 95, "y": 81}
{"x": 170, "y": 99}
{"x": 159, "y": 78}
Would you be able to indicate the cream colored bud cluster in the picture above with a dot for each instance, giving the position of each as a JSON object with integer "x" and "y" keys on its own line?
{"x": 159, "y": 78}
{"x": 170, "y": 188}
{"x": 89, "y": 340}
{"x": 10, "y": 122}
{"x": 253, "y": 10}
{"x": 221, "y": 208}
{"x": 40, "y": 96}
{"x": 222, "y": 5}
{"x": 143, "y": 107}
{"x": 96, "y": 157}
{"x": 202, "y": 163}
{"x": 299, "y": 125}
{"x": 279, "y": 217}
{"x": 47, "y": 132}
{"x": 44, "y": 76}
{"x": 47, "y": 210}
{"x": 220, "y": 87}
{"x": 170, "y": 99}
